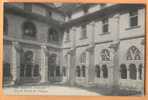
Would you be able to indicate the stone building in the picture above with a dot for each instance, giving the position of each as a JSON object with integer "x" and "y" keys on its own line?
{"x": 79, "y": 44}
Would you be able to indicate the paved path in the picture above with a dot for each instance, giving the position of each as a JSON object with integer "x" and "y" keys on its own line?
{"x": 48, "y": 90}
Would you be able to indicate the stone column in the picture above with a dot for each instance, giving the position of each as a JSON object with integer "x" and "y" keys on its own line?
{"x": 115, "y": 47}
{"x": 116, "y": 68}
{"x": 128, "y": 73}
{"x": 90, "y": 50}
{"x": 72, "y": 54}
{"x": 15, "y": 63}
{"x": 44, "y": 65}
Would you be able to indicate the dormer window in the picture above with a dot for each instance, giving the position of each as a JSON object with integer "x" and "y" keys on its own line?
{"x": 29, "y": 29}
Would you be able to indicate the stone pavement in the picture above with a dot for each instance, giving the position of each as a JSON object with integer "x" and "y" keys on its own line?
{"x": 49, "y": 90}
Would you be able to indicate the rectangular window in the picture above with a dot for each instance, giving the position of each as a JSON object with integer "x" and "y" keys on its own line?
{"x": 28, "y": 7}
{"x": 67, "y": 36}
{"x": 105, "y": 25}
{"x": 83, "y": 32}
{"x": 133, "y": 18}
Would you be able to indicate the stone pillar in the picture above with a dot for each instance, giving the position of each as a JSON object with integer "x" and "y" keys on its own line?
{"x": 91, "y": 66}
{"x": 44, "y": 65}
{"x": 90, "y": 49}
{"x": 115, "y": 47}
{"x": 116, "y": 68}
{"x": 72, "y": 54}
{"x": 128, "y": 73}
{"x": 15, "y": 63}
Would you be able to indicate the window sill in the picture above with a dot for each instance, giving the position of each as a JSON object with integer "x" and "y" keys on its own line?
{"x": 105, "y": 33}
{"x": 133, "y": 27}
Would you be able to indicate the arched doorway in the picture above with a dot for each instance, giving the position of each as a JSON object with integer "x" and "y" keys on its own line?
{"x": 29, "y": 72}
{"x": 54, "y": 73}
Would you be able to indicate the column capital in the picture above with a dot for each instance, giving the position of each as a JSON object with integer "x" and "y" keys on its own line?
{"x": 71, "y": 51}
{"x": 92, "y": 23}
{"x": 90, "y": 48}
{"x": 73, "y": 28}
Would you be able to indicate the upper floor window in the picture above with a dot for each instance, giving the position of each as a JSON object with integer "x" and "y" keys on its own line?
{"x": 105, "y": 26}
{"x": 105, "y": 55}
{"x": 133, "y": 18}
{"x": 29, "y": 29}
{"x": 83, "y": 32}
{"x": 67, "y": 36}
{"x": 53, "y": 35}
{"x": 28, "y": 7}
{"x": 5, "y": 25}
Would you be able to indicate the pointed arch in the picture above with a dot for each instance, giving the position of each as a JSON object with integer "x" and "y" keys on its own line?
{"x": 133, "y": 53}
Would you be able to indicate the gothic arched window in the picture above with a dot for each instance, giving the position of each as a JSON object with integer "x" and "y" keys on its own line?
{"x": 123, "y": 71}
{"x": 133, "y": 71}
{"x": 97, "y": 71}
{"x": 29, "y": 29}
{"x": 83, "y": 70}
{"x": 53, "y": 34}
{"x": 140, "y": 71}
{"x": 105, "y": 55}
{"x": 133, "y": 53}
{"x": 105, "y": 71}
{"x": 78, "y": 70}
{"x": 83, "y": 58}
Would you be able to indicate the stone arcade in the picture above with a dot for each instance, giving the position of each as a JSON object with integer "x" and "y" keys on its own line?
{"x": 76, "y": 44}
